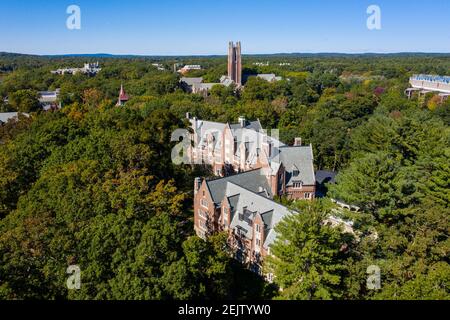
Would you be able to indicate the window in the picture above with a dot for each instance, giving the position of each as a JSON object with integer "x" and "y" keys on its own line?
{"x": 225, "y": 216}
{"x": 258, "y": 242}
{"x": 204, "y": 203}
{"x": 297, "y": 185}
{"x": 203, "y": 225}
{"x": 202, "y": 214}
{"x": 307, "y": 195}
{"x": 258, "y": 228}
{"x": 296, "y": 173}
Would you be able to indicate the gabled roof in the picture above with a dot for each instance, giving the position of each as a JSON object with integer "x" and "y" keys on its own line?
{"x": 204, "y": 128}
{"x": 300, "y": 157}
{"x": 191, "y": 81}
{"x": 249, "y": 204}
{"x": 254, "y": 180}
{"x": 123, "y": 95}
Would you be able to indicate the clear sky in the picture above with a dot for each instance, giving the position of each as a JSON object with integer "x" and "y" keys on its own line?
{"x": 182, "y": 27}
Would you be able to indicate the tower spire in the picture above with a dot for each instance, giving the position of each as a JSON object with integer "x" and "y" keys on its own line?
{"x": 123, "y": 97}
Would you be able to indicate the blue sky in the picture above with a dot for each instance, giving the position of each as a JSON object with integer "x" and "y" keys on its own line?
{"x": 179, "y": 27}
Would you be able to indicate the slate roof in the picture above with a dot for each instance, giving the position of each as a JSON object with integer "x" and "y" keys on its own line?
{"x": 226, "y": 81}
{"x": 191, "y": 81}
{"x": 203, "y": 128}
{"x": 251, "y": 125}
{"x": 296, "y": 157}
{"x": 248, "y": 205}
{"x": 253, "y": 180}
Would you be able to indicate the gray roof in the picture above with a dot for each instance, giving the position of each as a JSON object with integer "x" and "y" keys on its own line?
{"x": 226, "y": 81}
{"x": 296, "y": 158}
{"x": 191, "y": 81}
{"x": 205, "y": 128}
{"x": 254, "y": 180}
{"x": 271, "y": 77}
{"x": 251, "y": 125}
{"x": 325, "y": 176}
{"x": 250, "y": 204}
{"x": 5, "y": 116}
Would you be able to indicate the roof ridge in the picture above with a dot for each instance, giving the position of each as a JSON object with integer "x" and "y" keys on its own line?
{"x": 234, "y": 175}
{"x": 269, "y": 199}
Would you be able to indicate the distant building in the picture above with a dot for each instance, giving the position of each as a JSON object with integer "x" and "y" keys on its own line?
{"x": 189, "y": 67}
{"x": 423, "y": 84}
{"x": 89, "y": 69}
{"x": 49, "y": 100}
{"x": 234, "y": 77}
{"x": 6, "y": 116}
{"x": 270, "y": 77}
{"x": 197, "y": 86}
{"x": 187, "y": 84}
{"x": 159, "y": 66}
{"x": 123, "y": 97}
{"x": 261, "y": 64}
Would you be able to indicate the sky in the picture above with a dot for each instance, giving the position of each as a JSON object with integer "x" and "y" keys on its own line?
{"x": 204, "y": 27}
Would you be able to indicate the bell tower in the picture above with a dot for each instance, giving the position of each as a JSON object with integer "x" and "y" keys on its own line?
{"x": 235, "y": 62}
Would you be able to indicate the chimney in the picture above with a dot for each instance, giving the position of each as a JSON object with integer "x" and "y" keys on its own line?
{"x": 197, "y": 184}
{"x": 242, "y": 121}
{"x": 267, "y": 147}
{"x": 298, "y": 142}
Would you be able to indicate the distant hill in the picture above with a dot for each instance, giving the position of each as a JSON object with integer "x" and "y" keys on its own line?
{"x": 294, "y": 54}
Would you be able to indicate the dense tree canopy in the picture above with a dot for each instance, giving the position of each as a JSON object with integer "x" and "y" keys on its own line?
{"x": 92, "y": 184}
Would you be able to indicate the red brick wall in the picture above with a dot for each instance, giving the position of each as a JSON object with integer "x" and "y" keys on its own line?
{"x": 203, "y": 194}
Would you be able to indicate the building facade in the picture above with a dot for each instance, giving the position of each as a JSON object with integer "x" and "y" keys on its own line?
{"x": 251, "y": 168}
{"x": 423, "y": 84}
{"x": 235, "y": 148}
{"x": 242, "y": 206}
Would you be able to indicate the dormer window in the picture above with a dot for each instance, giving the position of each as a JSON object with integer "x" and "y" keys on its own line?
{"x": 296, "y": 172}
{"x": 298, "y": 185}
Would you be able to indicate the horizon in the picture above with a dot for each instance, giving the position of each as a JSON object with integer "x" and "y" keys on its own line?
{"x": 199, "y": 28}
{"x": 106, "y": 54}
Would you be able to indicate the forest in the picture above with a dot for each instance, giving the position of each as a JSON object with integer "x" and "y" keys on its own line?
{"x": 92, "y": 184}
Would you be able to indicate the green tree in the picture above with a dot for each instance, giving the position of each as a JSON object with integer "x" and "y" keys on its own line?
{"x": 308, "y": 255}
{"x": 24, "y": 101}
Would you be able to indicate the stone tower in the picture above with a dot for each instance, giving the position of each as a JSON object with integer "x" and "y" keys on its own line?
{"x": 235, "y": 63}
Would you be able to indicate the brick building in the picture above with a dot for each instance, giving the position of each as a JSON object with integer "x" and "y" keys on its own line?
{"x": 251, "y": 168}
